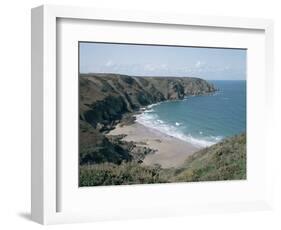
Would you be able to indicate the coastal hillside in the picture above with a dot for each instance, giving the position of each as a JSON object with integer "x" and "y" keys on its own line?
{"x": 225, "y": 160}
{"x": 108, "y": 99}
{"x": 105, "y": 98}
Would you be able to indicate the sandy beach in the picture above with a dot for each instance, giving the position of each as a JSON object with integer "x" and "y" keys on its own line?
{"x": 171, "y": 152}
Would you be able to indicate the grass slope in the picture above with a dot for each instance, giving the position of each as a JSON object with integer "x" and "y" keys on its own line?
{"x": 123, "y": 174}
{"x": 223, "y": 161}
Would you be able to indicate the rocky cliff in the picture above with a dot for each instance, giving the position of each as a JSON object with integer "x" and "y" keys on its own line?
{"x": 105, "y": 98}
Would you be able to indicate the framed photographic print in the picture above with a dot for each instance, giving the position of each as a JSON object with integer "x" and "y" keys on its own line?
{"x": 137, "y": 114}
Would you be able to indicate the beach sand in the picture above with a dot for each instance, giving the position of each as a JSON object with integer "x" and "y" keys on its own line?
{"x": 171, "y": 152}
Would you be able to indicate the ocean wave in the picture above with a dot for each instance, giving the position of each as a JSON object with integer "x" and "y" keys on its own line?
{"x": 152, "y": 105}
{"x": 149, "y": 111}
{"x": 152, "y": 121}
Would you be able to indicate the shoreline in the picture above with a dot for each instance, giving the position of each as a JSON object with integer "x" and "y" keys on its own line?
{"x": 170, "y": 151}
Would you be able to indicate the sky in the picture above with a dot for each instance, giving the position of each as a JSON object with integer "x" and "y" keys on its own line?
{"x": 153, "y": 60}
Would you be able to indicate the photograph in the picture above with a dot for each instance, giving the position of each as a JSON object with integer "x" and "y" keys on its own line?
{"x": 151, "y": 114}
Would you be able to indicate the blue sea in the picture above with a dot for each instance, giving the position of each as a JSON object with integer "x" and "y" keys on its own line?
{"x": 202, "y": 120}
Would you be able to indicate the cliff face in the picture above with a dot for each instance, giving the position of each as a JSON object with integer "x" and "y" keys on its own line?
{"x": 104, "y": 98}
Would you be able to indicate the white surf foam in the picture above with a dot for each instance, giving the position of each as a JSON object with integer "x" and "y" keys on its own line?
{"x": 152, "y": 105}
{"x": 152, "y": 121}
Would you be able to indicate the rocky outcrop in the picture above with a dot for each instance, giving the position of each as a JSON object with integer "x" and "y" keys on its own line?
{"x": 95, "y": 147}
{"x": 105, "y": 98}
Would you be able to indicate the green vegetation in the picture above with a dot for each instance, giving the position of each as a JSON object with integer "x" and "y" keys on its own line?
{"x": 125, "y": 174}
{"x": 223, "y": 161}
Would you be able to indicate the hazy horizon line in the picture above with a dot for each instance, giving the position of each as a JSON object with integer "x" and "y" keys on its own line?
{"x": 163, "y": 76}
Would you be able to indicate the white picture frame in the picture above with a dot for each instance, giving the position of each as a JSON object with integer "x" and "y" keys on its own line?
{"x": 45, "y": 168}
